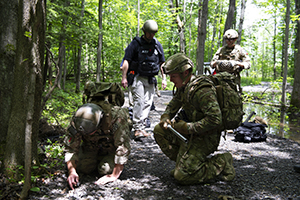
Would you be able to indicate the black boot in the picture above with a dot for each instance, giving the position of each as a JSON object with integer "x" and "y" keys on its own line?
{"x": 297, "y": 168}
{"x": 152, "y": 106}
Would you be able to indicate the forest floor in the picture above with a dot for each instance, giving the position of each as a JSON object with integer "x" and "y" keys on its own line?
{"x": 264, "y": 170}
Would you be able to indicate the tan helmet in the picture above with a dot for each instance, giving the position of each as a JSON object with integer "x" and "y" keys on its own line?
{"x": 150, "y": 26}
{"x": 231, "y": 34}
{"x": 177, "y": 63}
{"x": 87, "y": 118}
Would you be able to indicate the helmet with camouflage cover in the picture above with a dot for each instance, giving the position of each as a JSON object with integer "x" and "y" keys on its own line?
{"x": 177, "y": 63}
{"x": 87, "y": 118}
{"x": 231, "y": 34}
{"x": 150, "y": 26}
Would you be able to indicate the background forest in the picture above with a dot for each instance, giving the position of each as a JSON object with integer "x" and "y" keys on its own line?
{"x": 50, "y": 48}
{"x": 73, "y": 31}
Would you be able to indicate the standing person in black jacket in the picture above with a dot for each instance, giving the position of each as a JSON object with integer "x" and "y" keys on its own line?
{"x": 142, "y": 62}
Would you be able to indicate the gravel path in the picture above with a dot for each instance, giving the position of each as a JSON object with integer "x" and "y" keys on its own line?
{"x": 264, "y": 170}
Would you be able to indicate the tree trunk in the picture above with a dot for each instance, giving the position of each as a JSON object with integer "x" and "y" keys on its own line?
{"x": 47, "y": 63}
{"x": 27, "y": 90}
{"x": 202, "y": 20}
{"x": 8, "y": 40}
{"x": 243, "y": 7}
{"x": 220, "y": 34}
{"x": 190, "y": 29}
{"x": 214, "y": 33}
{"x": 60, "y": 62}
{"x": 138, "y": 20}
{"x": 286, "y": 44}
{"x": 180, "y": 26}
{"x": 100, "y": 38}
{"x": 230, "y": 17}
{"x": 284, "y": 82}
{"x": 274, "y": 48}
{"x": 79, "y": 52}
{"x": 295, "y": 98}
{"x": 65, "y": 71}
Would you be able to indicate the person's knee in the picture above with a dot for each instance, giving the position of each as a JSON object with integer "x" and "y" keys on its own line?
{"x": 105, "y": 168}
{"x": 157, "y": 129}
{"x": 106, "y": 165}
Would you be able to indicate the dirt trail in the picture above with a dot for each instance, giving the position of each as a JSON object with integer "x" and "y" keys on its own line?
{"x": 264, "y": 170}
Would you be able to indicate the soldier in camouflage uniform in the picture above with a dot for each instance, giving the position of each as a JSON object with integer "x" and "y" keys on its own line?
{"x": 199, "y": 121}
{"x": 90, "y": 147}
{"x": 231, "y": 57}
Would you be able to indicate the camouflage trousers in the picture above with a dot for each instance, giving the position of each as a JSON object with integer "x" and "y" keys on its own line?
{"x": 89, "y": 162}
{"x": 192, "y": 162}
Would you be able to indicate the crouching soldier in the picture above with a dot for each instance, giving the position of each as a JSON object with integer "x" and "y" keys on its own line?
{"x": 200, "y": 124}
{"x": 94, "y": 145}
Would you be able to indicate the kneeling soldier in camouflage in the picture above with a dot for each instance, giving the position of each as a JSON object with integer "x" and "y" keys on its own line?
{"x": 91, "y": 147}
{"x": 199, "y": 121}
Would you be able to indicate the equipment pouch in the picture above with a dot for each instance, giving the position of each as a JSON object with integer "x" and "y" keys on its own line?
{"x": 133, "y": 66}
{"x": 130, "y": 78}
{"x": 72, "y": 130}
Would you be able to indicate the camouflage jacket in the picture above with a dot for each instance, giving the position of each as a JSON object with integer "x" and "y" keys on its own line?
{"x": 202, "y": 111}
{"x": 116, "y": 141}
{"x": 234, "y": 54}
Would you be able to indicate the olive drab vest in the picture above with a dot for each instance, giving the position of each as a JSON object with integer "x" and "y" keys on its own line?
{"x": 148, "y": 58}
{"x": 232, "y": 54}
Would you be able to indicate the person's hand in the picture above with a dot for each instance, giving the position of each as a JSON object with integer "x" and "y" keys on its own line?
{"x": 106, "y": 179}
{"x": 124, "y": 82}
{"x": 73, "y": 180}
{"x": 214, "y": 64}
{"x": 181, "y": 127}
{"x": 164, "y": 84}
{"x": 164, "y": 121}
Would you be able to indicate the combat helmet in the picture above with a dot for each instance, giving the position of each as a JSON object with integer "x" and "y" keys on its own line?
{"x": 150, "y": 26}
{"x": 231, "y": 34}
{"x": 177, "y": 63}
{"x": 87, "y": 118}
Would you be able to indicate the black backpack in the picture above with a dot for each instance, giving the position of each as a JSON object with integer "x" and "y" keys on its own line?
{"x": 250, "y": 132}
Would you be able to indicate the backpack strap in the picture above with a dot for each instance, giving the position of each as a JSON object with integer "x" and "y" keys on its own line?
{"x": 138, "y": 39}
{"x": 197, "y": 83}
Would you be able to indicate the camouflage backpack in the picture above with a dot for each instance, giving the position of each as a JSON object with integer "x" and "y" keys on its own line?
{"x": 230, "y": 102}
{"x": 106, "y": 95}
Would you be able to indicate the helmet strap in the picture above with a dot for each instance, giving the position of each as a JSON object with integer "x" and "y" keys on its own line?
{"x": 184, "y": 78}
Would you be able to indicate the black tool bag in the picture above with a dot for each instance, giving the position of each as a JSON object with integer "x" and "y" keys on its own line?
{"x": 251, "y": 132}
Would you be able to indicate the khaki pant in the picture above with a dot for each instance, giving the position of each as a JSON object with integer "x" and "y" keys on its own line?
{"x": 142, "y": 94}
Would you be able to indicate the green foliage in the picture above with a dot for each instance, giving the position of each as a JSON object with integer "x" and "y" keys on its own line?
{"x": 169, "y": 84}
{"x": 62, "y": 104}
{"x": 119, "y": 22}
{"x": 54, "y": 153}
{"x": 35, "y": 189}
{"x": 250, "y": 80}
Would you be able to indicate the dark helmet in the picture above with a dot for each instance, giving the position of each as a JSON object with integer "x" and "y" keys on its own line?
{"x": 231, "y": 34}
{"x": 177, "y": 63}
{"x": 87, "y": 118}
{"x": 150, "y": 26}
